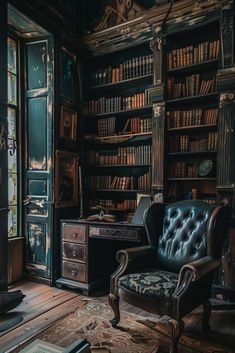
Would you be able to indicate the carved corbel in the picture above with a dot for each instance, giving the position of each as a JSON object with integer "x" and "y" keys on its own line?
{"x": 158, "y": 109}
{"x": 227, "y": 98}
{"x": 156, "y": 45}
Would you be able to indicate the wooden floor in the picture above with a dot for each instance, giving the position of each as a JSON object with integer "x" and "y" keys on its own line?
{"x": 44, "y": 305}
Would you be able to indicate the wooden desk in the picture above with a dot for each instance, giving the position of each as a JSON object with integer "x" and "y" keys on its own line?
{"x": 88, "y": 252}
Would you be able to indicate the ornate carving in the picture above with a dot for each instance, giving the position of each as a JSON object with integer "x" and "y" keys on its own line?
{"x": 158, "y": 198}
{"x": 158, "y": 109}
{"x": 2, "y": 139}
{"x": 117, "y": 12}
{"x": 159, "y": 40}
{"x": 227, "y": 25}
{"x": 227, "y": 97}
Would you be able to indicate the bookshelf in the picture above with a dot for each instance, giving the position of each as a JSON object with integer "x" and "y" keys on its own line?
{"x": 191, "y": 117}
{"x": 118, "y": 130}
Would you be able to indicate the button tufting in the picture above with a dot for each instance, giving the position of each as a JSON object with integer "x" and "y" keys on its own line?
{"x": 193, "y": 226}
{"x": 174, "y": 214}
{"x": 184, "y": 237}
{"x": 187, "y": 214}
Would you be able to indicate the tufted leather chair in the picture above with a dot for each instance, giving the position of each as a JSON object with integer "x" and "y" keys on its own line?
{"x": 173, "y": 274}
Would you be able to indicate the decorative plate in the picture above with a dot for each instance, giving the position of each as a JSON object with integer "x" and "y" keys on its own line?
{"x": 205, "y": 167}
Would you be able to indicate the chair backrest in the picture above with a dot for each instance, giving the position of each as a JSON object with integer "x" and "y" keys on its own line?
{"x": 185, "y": 231}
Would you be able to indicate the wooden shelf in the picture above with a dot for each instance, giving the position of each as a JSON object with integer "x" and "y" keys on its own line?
{"x": 191, "y": 179}
{"x": 192, "y": 127}
{"x": 204, "y": 97}
{"x": 145, "y": 109}
{"x": 120, "y": 83}
{"x": 118, "y": 137}
{"x": 118, "y": 190}
{"x": 202, "y": 66}
{"x": 190, "y": 153}
{"x": 120, "y": 165}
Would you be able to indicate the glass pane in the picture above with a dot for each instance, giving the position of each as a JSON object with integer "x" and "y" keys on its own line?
{"x": 11, "y": 114}
{"x": 36, "y": 68}
{"x": 11, "y": 46}
{"x": 37, "y": 133}
{"x": 12, "y": 89}
{"x": 12, "y": 221}
{"x": 12, "y": 189}
{"x": 12, "y": 156}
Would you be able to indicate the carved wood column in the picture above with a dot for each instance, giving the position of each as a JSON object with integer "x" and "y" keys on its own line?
{"x": 226, "y": 149}
{"x": 158, "y": 151}
{"x": 226, "y": 120}
{"x": 225, "y": 281}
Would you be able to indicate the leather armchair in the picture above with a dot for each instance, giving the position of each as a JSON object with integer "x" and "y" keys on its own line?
{"x": 173, "y": 274}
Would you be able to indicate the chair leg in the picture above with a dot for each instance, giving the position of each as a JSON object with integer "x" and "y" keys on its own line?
{"x": 206, "y": 315}
{"x": 176, "y": 330}
{"x": 114, "y": 303}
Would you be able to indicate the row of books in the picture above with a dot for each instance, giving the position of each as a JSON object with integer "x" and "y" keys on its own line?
{"x": 113, "y": 104}
{"x": 99, "y": 182}
{"x": 184, "y": 143}
{"x": 108, "y": 126}
{"x": 193, "y": 117}
{"x": 193, "y": 54}
{"x": 131, "y": 68}
{"x": 111, "y": 204}
{"x": 180, "y": 169}
{"x": 192, "y": 85}
{"x": 144, "y": 182}
{"x": 122, "y": 155}
{"x": 109, "y": 182}
{"x": 138, "y": 125}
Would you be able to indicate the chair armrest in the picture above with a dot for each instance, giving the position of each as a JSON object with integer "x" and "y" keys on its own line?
{"x": 133, "y": 254}
{"x": 194, "y": 285}
{"x": 199, "y": 268}
{"x": 130, "y": 260}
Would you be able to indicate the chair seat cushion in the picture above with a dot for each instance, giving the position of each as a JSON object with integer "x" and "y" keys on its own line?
{"x": 158, "y": 285}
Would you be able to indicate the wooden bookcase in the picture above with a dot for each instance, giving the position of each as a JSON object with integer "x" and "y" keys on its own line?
{"x": 118, "y": 130}
{"x": 192, "y": 106}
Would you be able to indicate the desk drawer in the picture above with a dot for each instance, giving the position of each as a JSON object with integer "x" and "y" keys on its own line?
{"x": 75, "y": 252}
{"x": 115, "y": 233}
{"x": 74, "y": 271}
{"x": 74, "y": 232}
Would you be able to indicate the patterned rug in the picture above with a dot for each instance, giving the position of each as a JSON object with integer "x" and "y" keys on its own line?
{"x": 135, "y": 334}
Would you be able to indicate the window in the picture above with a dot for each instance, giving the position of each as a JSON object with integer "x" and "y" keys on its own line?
{"x": 12, "y": 136}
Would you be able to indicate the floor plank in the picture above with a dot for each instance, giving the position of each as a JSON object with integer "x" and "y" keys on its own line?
{"x": 43, "y": 305}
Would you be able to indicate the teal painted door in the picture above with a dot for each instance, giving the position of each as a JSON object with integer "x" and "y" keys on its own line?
{"x": 38, "y": 156}
{"x": 3, "y": 148}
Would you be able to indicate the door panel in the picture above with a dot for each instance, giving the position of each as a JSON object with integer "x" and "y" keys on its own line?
{"x": 38, "y": 197}
{"x": 36, "y": 65}
{"x": 37, "y": 133}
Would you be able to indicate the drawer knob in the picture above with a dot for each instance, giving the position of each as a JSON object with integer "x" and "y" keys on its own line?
{"x": 75, "y": 235}
{"x": 74, "y": 253}
{"x": 74, "y": 272}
